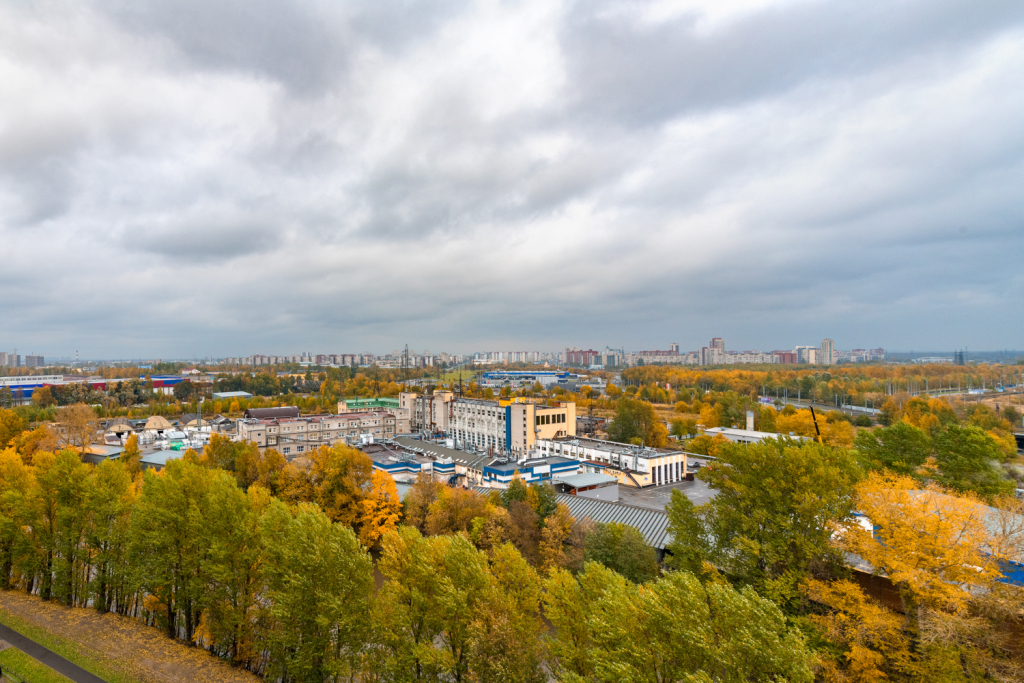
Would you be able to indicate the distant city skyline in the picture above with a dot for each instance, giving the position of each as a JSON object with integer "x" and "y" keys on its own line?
{"x": 892, "y": 354}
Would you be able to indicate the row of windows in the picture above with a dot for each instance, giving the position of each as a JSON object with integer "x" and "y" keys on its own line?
{"x": 558, "y": 418}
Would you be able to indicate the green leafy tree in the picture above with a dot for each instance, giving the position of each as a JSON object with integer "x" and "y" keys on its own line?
{"x": 624, "y": 550}
{"x": 132, "y": 456}
{"x": 674, "y": 629}
{"x": 17, "y": 484}
{"x": 517, "y": 491}
{"x": 967, "y": 460}
{"x": 111, "y": 499}
{"x": 320, "y": 586}
{"x": 64, "y": 484}
{"x": 771, "y": 520}
{"x": 636, "y": 419}
{"x": 233, "y": 564}
{"x": 683, "y": 428}
{"x": 901, "y": 448}
{"x": 506, "y": 643}
{"x": 167, "y": 546}
{"x": 184, "y": 391}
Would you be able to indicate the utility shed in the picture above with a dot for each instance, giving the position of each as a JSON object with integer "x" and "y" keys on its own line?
{"x": 652, "y": 524}
{"x": 223, "y": 395}
{"x": 158, "y": 459}
{"x": 97, "y": 453}
{"x": 588, "y": 485}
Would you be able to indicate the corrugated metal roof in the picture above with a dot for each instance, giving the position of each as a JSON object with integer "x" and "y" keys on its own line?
{"x": 652, "y": 524}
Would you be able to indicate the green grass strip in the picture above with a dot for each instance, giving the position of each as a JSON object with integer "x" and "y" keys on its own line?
{"x": 18, "y": 666}
{"x": 67, "y": 649}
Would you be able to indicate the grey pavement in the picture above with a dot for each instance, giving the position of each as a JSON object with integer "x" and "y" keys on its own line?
{"x": 48, "y": 657}
{"x": 657, "y": 497}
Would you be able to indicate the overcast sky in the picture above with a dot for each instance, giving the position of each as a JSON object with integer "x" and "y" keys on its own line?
{"x": 228, "y": 177}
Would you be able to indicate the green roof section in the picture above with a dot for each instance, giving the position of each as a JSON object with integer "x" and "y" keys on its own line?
{"x": 357, "y": 404}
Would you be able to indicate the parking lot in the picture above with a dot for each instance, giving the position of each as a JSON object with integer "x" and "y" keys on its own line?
{"x": 657, "y": 497}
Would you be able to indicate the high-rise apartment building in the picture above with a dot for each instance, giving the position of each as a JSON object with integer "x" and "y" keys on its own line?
{"x": 580, "y": 357}
{"x": 828, "y": 352}
{"x": 34, "y": 361}
{"x": 807, "y": 354}
{"x": 718, "y": 343}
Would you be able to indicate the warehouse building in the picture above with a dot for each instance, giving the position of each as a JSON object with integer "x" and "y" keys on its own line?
{"x": 635, "y": 466}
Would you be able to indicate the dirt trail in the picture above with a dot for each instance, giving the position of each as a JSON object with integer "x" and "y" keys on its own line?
{"x": 141, "y": 651}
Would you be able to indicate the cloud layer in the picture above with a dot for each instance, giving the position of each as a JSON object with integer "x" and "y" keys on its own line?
{"x": 226, "y": 177}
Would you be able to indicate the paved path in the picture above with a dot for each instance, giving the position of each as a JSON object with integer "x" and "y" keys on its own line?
{"x": 50, "y": 659}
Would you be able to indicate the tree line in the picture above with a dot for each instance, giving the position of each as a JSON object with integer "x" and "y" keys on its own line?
{"x": 790, "y": 518}
{"x": 268, "y": 565}
{"x": 857, "y": 384}
{"x": 271, "y": 565}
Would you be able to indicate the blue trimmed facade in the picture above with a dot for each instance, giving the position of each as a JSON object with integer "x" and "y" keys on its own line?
{"x": 531, "y": 471}
{"x": 393, "y": 468}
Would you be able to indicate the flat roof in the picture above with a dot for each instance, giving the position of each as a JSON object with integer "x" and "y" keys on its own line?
{"x": 474, "y": 460}
{"x": 578, "y": 481}
{"x": 749, "y": 433}
{"x": 383, "y": 453}
{"x": 613, "y": 446}
{"x": 513, "y": 465}
{"x": 160, "y": 458}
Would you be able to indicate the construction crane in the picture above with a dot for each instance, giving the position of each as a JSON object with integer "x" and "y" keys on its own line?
{"x": 817, "y": 431}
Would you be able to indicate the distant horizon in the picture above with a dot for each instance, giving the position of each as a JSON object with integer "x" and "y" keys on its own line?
{"x": 888, "y": 353}
{"x": 313, "y": 175}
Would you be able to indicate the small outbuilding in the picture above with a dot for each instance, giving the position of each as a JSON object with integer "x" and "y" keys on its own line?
{"x": 97, "y": 453}
{"x": 588, "y": 485}
{"x": 227, "y": 395}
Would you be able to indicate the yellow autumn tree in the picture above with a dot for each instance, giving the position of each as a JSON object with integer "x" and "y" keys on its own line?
{"x": 132, "y": 456}
{"x": 929, "y": 543}
{"x": 553, "y": 537}
{"x": 943, "y": 554}
{"x": 709, "y": 416}
{"x": 382, "y": 509}
{"x": 799, "y": 423}
{"x": 838, "y": 433}
{"x": 708, "y": 445}
{"x": 871, "y": 634}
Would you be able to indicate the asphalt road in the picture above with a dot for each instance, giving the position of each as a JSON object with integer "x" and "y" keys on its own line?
{"x": 657, "y": 497}
{"x": 48, "y": 657}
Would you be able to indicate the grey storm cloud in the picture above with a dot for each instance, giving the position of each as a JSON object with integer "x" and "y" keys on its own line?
{"x": 227, "y": 177}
